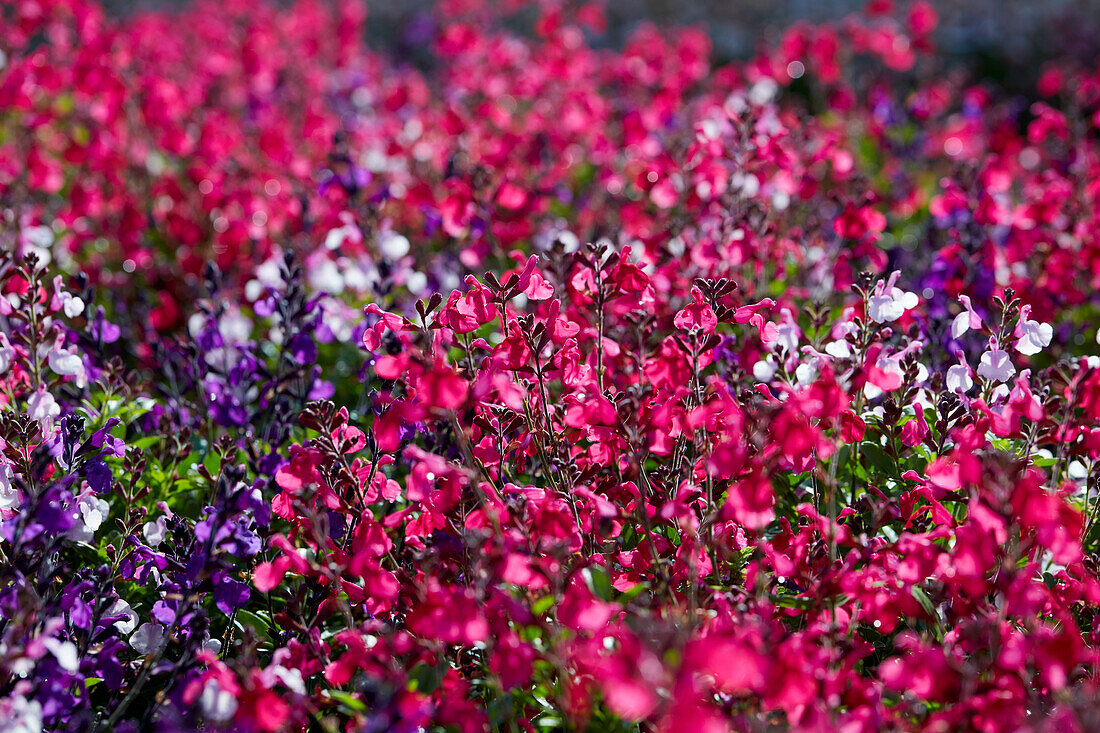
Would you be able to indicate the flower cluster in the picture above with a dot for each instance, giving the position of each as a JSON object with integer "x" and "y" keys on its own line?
{"x": 506, "y": 380}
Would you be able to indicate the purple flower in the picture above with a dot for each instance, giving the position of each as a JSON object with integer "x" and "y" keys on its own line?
{"x": 99, "y": 475}
{"x": 230, "y": 595}
{"x": 102, "y": 330}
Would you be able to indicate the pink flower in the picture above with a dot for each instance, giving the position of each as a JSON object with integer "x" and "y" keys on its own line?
{"x": 441, "y": 387}
{"x": 580, "y": 610}
{"x": 697, "y": 316}
{"x": 859, "y": 223}
{"x": 751, "y": 502}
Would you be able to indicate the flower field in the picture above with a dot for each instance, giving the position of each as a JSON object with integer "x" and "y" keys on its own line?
{"x": 507, "y": 380}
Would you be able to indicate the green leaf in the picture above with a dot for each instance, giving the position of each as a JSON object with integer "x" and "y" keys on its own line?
{"x": 599, "y": 583}
{"x": 924, "y": 601}
{"x": 500, "y": 710}
{"x": 426, "y": 679}
{"x": 212, "y": 461}
{"x": 256, "y": 621}
{"x": 878, "y": 458}
{"x": 804, "y": 604}
{"x": 929, "y": 608}
{"x": 346, "y": 699}
{"x": 800, "y": 602}
{"x": 146, "y": 442}
{"x": 542, "y": 605}
{"x": 627, "y": 596}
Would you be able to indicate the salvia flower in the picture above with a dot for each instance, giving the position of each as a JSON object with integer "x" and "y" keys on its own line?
{"x": 959, "y": 376}
{"x": 996, "y": 363}
{"x": 1032, "y": 336}
{"x": 515, "y": 380}
{"x": 887, "y": 302}
{"x": 966, "y": 320}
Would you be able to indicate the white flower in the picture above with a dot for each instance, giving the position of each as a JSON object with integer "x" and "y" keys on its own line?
{"x": 958, "y": 378}
{"x": 393, "y": 246}
{"x": 9, "y": 495}
{"x": 708, "y": 130}
{"x": 1033, "y": 336}
{"x": 846, "y": 326}
{"x": 292, "y": 678}
{"x": 787, "y": 333}
{"x": 960, "y": 325}
{"x": 966, "y": 320}
{"x": 65, "y": 652}
{"x": 805, "y": 373}
{"x": 269, "y": 271}
{"x": 763, "y": 92}
{"x": 570, "y": 242}
{"x": 996, "y": 364}
{"x": 67, "y": 364}
{"x": 346, "y": 233}
{"x": 217, "y": 704}
{"x": 839, "y": 349}
{"x": 147, "y": 638}
{"x": 267, "y": 276}
{"x": 93, "y": 511}
{"x": 416, "y": 282}
{"x": 234, "y": 326}
{"x": 74, "y": 305}
{"x": 888, "y": 303}
{"x": 223, "y": 357}
{"x": 891, "y": 364}
{"x": 214, "y": 646}
{"x": 358, "y": 278}
{"x": 7, "y": 353}
{"x": 1036, "y": 336}
{"x": 323, "y": 274}
{"x": 20, "y": 715}
{"x": 42, "y": 406}
{"x": 154, "y": 532}
{"x": 339, "y": 319}
{"x": 749, "y": 185}
{"x": 922, "y": 373}
{"x": 118, "y": 608}
{"x": 764, "y": 370}
{"x": 37, "y": 240}
{"x": 90, "y": 511}
{"x": 334, "y": 238}
{"x": 63, "y": 299}
{"x": 1077, "y": 471}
